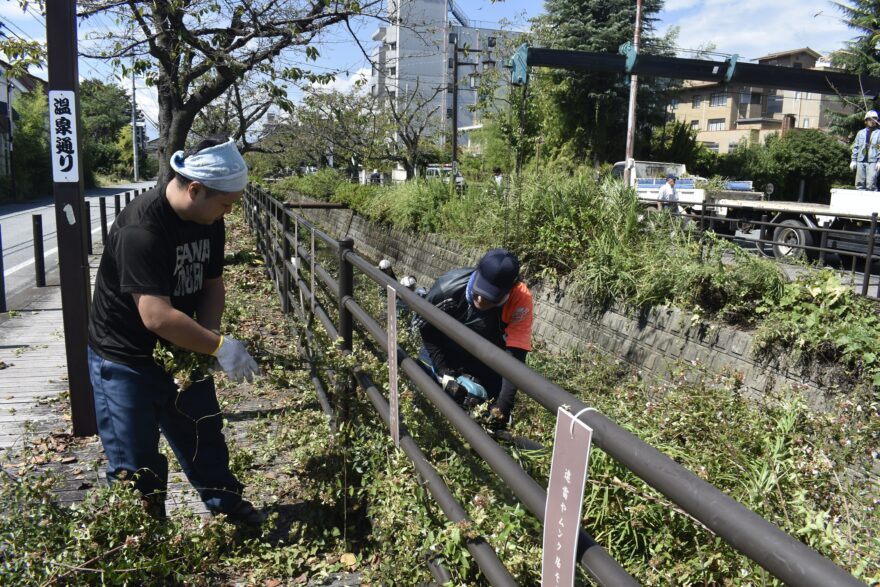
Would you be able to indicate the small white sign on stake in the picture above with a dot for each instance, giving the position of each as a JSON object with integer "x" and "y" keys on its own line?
{"x": 312, "y": 269}
{"x": 393, "y": 400}
{"x": 565, "y": 498}
{"x": 62, "y": 136}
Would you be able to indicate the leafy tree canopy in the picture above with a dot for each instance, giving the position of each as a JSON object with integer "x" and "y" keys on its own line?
{"x": 195, "y": 50}
{"x": 586, "y": 113}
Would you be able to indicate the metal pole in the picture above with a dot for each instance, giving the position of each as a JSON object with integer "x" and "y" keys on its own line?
{"x": 762, "y": 234}
{"x": 346, "y": 322}
{"x": 134, "y": 145}
{"x": 9, "y": 89}
{"x": 454, "y": 114}
{"x": 346, "y": 291}
{"x": 633, "y": 89}
{"x": 73, "y": 262}
{"x": 285, "y": 259}
{"x": 39, "y": 259}
{"x": 872, "y": 234}
{"x": 102, "y": 205}
{"x": 87, "y": 214}
{"x": 128, "y": 198}
{"x": 2, "y": 277}
{"x": 116, "y": 206}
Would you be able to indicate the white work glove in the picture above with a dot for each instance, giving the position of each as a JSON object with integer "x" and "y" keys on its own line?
{"x": 877, "y": 166}
{"x": 235, "y": 361}
{"x": 852, "y": 166}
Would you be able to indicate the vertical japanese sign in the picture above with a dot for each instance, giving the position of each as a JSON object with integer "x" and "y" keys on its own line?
{"x": 62, "y": 136}
{"x": 565, "y": 496}
{"x": 393, "y": 402}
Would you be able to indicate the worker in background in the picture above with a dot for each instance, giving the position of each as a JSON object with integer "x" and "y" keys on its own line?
{"x": 866, "y": 153}
{"x": 161, "y": 277}
{"x": 492, "y": 301}
{"x": 668, "y": 197}
{"x": 497, "y": 176}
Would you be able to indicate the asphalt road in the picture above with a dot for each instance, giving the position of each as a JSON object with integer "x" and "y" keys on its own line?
{"x": 16, "y": 225}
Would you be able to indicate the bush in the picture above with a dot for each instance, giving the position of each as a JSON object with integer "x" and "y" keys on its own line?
{"x": 33, "y": 167}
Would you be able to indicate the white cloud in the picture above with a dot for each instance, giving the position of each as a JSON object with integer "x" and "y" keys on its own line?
{"x": 347, "y": 84}
{"x": 753, "y": 28}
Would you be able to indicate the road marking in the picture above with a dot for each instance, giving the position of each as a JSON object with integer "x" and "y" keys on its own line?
{"x": 30, "y": 262}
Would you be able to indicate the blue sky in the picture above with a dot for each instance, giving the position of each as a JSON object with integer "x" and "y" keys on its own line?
{"x": 749, "y": 27}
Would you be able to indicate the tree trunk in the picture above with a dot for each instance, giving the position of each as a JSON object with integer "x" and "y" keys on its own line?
{"x": 174, "y": 124}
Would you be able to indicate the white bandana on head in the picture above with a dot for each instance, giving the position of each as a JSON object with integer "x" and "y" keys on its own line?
{"x": 220, "y": 168}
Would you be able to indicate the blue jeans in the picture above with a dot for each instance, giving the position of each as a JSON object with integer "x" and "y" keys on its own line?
{"x": 133, "y": 404}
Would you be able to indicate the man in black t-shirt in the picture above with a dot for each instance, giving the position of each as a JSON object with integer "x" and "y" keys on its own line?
{"x": 161, "y": 276}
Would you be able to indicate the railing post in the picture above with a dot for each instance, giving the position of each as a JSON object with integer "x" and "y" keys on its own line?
{"x": 346, "y": 325}
{"x": 823, "y": 244}
{"x": 285, "y": 253}
{"x": 87, "y": 220}
{"x": 2, "y": 278}
{"x": 872, "y": 234}
{"x": 762, "y": 234}
{"x": 102, "y": 205}
{"x": 116, "y": 206}
{"x": 39, "y": 261}
{"x": 127, "y": 198}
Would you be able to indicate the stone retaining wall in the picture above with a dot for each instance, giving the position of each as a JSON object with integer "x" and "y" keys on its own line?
{"x": 655, "y": 341}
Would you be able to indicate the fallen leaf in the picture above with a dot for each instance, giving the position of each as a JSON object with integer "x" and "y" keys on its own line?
{"x": 272, "y": 582}
{"x": 348, "y": 559}
{"x": 67, "y": 460}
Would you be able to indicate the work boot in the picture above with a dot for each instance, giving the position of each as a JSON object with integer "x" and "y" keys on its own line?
{"x": 245, "y": 514}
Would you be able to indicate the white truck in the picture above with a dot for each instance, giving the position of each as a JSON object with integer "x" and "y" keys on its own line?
{"x": 739, "y": 207}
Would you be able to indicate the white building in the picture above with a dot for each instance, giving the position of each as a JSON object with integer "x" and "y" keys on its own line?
{"x": 417, "y": 52}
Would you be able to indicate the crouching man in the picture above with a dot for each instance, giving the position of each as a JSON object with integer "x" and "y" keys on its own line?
{"x": 492, "y": 301}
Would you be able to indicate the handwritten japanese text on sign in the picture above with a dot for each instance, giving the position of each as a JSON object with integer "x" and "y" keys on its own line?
{"x": 565, "y": 496}
{"x": 62, "y": 136}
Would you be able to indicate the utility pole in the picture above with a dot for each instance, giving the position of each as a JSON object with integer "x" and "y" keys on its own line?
{"x": 453, "y": 40}
{"x": 134, "y": 143}
{"x": 454, "y": 111}
{"x": 633, "y": 89}
{"x": 64, "y": 129}
{"x": 9, "y": 87}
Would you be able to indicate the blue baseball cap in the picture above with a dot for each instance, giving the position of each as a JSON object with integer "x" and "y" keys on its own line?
{"x": 496, "y": 275}
{"x": 671, "y": 176}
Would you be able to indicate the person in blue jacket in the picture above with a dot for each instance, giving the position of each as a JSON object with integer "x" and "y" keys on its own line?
{"x": 866, "y": 153}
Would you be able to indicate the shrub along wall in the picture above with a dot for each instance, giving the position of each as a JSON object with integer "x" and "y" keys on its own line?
{"x": 655, "y": 341}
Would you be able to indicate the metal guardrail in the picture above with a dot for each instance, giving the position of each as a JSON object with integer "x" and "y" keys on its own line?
{"x": 784, "y": 240}
{"x": 780, "y": 554}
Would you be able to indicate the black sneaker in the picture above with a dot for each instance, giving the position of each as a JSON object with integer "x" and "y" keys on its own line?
{"x": 245, "y": 514}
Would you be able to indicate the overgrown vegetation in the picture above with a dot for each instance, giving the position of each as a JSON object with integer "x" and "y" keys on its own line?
{"x": 348, "y": 501}
{"x": 594, "y": 234}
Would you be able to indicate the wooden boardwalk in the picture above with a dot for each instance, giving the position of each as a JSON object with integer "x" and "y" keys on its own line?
{"x": 35, "y": 423}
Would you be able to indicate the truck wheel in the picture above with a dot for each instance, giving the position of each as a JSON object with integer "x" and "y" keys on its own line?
{"x": 789, "y": 235}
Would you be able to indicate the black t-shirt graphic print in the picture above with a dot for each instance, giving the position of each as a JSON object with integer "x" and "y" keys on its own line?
{"x": 150, "y": 250}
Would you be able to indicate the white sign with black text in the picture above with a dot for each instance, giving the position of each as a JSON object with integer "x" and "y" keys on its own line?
{"x": 565, "y": 498}
{"x": 62, "y": 136}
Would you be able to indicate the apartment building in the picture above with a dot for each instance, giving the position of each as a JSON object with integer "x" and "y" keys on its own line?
{"x": 416, "y": 55}
{"x": 726, "y": 115}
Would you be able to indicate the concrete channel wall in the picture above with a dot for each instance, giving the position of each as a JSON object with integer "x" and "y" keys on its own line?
{"x": 655, "y": 341}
